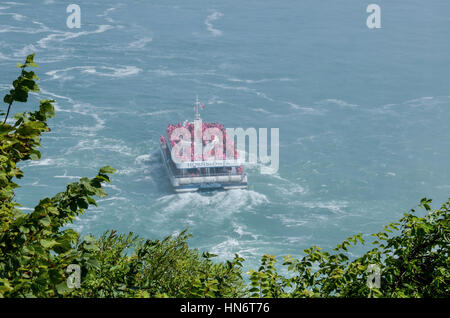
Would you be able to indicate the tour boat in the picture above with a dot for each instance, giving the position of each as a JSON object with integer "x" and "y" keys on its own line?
{"x": 205, "y": 169}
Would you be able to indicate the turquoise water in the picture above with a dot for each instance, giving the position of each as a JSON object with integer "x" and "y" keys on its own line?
{"x": 363, "y": 114}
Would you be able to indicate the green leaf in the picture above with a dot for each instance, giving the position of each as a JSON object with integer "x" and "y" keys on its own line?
{"x": 30, "y": 61}
{"x": 24, "y": 229}
{"x": 107, "y": 169}
{"x": 82, "y": 203}
{"x": 35, "y": 155}
{"x": 48, "y": 243}
{"x": 46, "y": 108}
{"x": 45, "y": 221}
{"x": 8, "y": 99}
{"x": 62, "y": 288}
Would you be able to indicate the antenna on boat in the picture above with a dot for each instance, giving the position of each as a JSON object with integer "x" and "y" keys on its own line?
{"x": 197, "y": 104}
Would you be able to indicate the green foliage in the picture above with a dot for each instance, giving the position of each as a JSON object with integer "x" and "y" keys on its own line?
{"x": 36, "y": 249}
{"x": 266, "y": 282}
{"x": 413, "y": 263}
{"x": 128, "y": 266}
{"x": 22, "y": 85}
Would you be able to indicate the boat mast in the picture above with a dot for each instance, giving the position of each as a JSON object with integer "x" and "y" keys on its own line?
{"x": 197, "y": 104}
{"x": 197, "y": 130}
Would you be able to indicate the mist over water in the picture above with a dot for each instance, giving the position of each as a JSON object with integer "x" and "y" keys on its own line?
{"x": 363, "y": 114}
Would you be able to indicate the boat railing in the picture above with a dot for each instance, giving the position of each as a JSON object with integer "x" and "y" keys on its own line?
{"x": 189, "y": 175}
{"x": 177, "y": 173}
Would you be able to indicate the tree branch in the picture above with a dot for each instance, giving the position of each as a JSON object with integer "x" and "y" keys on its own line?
{"x": 7, "y": 113}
